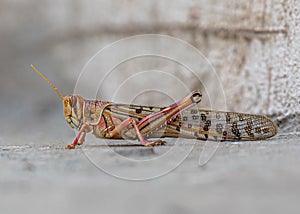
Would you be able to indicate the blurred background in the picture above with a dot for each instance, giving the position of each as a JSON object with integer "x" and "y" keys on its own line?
{"x": 253, "y": 45}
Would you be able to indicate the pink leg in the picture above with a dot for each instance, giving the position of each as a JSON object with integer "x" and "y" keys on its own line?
{"x": 75, "y": 141}
{"x": 159, "y": 117}
{"x": 81, "y": 141}
{"x": 84, "y": 129}
{"x": 126, "y": 123}
{"x": 171, "y": 111}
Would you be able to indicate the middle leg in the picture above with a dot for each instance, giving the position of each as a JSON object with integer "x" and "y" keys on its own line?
{"x": 130, "y": 121}
{"x": 152, "y": 121}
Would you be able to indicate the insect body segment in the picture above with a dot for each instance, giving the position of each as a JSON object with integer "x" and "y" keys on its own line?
{"x": 121, "y": 121}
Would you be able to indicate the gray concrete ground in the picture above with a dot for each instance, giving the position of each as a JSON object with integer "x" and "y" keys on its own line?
{"x": 252, "y": 45}
{"x": 249, "y": 177}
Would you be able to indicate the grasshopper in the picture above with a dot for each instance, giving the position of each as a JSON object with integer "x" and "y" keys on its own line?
{"x": 123, "y": 121}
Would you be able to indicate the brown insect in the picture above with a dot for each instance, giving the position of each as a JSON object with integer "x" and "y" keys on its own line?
{"x": 122, "y": 121}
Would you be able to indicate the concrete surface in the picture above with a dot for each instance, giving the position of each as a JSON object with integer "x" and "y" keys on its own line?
{"x": 249, "y": 177}
{"x": 252, "y": 45}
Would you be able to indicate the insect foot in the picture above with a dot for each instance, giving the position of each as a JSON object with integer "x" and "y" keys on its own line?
{"x": 196, "y": 96}
{"x": 156, "y": 143}
{"x": 70, "y": 146}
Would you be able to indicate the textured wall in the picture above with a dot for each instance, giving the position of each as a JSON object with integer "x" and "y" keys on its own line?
{"x": 253, "y": 46}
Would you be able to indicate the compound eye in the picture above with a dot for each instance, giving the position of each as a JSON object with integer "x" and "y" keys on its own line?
{"x": 66, "y": 103}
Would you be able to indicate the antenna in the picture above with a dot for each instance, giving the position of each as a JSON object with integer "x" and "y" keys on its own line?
{"x": 47, "y": 81}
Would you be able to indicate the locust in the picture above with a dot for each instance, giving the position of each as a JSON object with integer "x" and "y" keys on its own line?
{"x": 111, "y": 120}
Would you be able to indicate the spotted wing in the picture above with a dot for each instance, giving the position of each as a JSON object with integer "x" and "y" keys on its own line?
{"x": 201, "y": 124}
{"x": 137, "y": 112}
{"x": 218, "y": 125}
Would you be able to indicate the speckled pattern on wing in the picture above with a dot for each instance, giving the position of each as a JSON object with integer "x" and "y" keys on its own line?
{"x": 202, "y": 124}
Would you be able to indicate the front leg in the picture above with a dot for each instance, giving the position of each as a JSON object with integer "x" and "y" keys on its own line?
{"x": 79, "y": 139}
